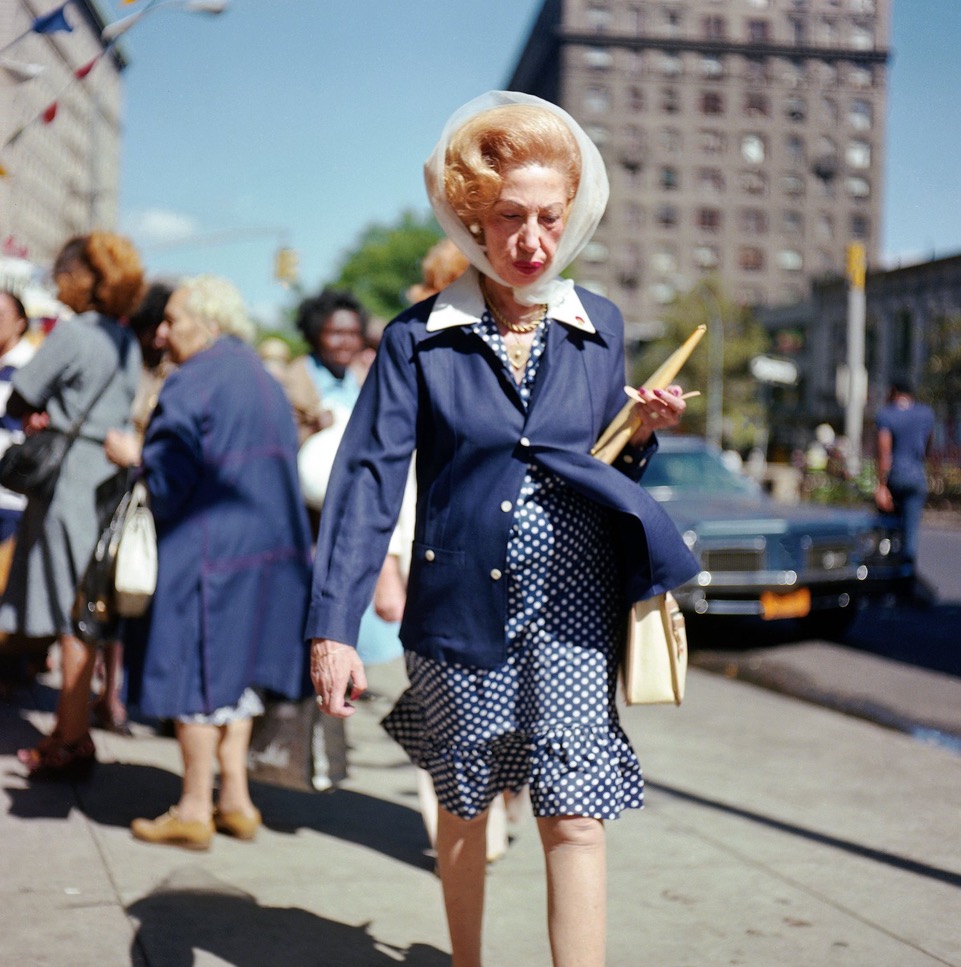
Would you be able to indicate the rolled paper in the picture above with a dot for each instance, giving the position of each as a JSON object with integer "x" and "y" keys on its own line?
{"x": 622, "y": 427}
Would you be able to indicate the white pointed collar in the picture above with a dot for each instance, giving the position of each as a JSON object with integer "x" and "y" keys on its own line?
{"x": 461, "y": 304}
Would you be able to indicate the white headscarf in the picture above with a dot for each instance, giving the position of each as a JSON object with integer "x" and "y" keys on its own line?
{"x": 585, "y": 213}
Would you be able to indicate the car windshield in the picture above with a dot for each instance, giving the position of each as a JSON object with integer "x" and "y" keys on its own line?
{"x": 694, "y": 471}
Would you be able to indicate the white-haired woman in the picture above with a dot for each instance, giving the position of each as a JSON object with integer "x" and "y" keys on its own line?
{"x": 527, "y": 550}
{"x": 220, "y": 462}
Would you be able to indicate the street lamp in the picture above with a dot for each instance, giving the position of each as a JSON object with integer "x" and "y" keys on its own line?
{"x": 118, "y": 28}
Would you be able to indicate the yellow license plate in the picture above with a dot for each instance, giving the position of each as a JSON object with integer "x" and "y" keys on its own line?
{"x": 793, "y": 604}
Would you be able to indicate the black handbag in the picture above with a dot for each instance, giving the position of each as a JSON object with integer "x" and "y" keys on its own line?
{"x": 32, "y": 466}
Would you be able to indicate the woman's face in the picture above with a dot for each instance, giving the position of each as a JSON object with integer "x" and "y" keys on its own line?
{"x": 181, "y": 333}
{"x": 339, "y": 340}
{"x": 12, "y": 324}
{"x": 523, "y": 227}
{"x": 75, "y": 283}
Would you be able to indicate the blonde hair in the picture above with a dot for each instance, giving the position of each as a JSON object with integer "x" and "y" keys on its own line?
{"x": 498, "y": 140}
{"x": 218, "y": 303}
{"x": 444, "y": 263}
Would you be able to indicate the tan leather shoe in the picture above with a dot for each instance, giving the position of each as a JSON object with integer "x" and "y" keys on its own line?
{"x": 171, "y": 830}
{"x": 239, "y": 825}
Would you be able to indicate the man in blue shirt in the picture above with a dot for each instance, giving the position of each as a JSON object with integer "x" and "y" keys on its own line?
{"x": 904, "y": 428}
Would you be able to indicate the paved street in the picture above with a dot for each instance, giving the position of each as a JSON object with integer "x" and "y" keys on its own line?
{"x": 776, "y": 833}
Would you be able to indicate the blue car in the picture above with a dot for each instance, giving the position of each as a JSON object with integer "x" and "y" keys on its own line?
{"x": 765, "y": 558}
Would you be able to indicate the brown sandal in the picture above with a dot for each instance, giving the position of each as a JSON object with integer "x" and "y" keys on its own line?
{"x": 60, "y": 760}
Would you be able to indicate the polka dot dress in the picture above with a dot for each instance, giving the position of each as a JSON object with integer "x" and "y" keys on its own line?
{"x": 546, "y": 717}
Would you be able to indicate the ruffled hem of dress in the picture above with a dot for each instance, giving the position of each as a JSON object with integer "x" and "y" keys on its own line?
{"x": 581, "y": 770}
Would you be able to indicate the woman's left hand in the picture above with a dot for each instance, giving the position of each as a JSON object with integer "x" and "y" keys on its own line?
{"x": 338, "y": 676}
{"x": 661, "y": 409}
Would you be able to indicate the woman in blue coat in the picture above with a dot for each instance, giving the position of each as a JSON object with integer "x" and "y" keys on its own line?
{"x": 219, "y": 460}
{"x": 527, "y": 550}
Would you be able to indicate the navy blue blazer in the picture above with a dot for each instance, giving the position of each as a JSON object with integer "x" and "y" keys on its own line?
{"x": 445, "y": 394}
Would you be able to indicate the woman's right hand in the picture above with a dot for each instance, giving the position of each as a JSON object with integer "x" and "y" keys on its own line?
{"x": 338, "y": 676}
{"x": 121, "y": 448}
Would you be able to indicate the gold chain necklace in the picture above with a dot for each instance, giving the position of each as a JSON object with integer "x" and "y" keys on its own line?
{"x": 518, "y": 328}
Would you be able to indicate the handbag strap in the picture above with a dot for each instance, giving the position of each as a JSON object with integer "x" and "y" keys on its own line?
{"x": 74, "y": 429}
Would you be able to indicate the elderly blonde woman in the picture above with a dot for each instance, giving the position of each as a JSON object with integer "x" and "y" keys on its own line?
{"x": 220, "y": 462}
{"x": 527, "y": 550}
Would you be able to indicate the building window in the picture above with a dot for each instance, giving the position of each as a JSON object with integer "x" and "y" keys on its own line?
{"x": 751, "y": 258}
{"x": 637, "y": 21}
{"x": 597, "y": 100}
{"x": 672, "y": 22}
{"x": 706, "y": 256}
{"x": 827, "y": 32}
{"x": 664, "y": 260}
{"x": 670, "y": 140}
{"x": 756, "y": 105}
{"x": 598, "y": 58}
{"x": 671, "y": 65}
{"x": 666, "y": 216}
{"x": 598, "y": 18}
{"x": 829, "y": 74}
{"x": 793, "y": 223}
{"x": 635, "y": 63}
{"x": 794, "y": 146}
{"x": 756, "y": 70}
{"x": 795, "y": 109}
{"x": 712, "y": 103}
{"x": 758, "y": 31}
{"x": 709, "y": 219}
{"x": 858, "y": 154}
{"x": 710, "y": 181}
{"x": 825, "y": 227}
{"x": 790, "y": 260}
{"x": 597, "y": 133}
{"x": 712, "y": 142}
{"x": 792, "y": 185}
{"x": 670, "y": 100}
{"x": 595, "y": 252}
{"x": 798, "y": 31}
{"x": 860, "y": 227}
{"x": 859, "y": 76}
{"x": 712, "y": 67}
{"x": 752, "y": 221}
{"x": 669, "y": 178}
{"x": 793, "y": 73}
{"x": 753, "y": 182}
{"x": 857, "y": 187}
{"x": 715, "y": 28}
{"x": 753, "y": 149}
{"x": 860, "y": 115}
{"x": 633, "y": 215}
{"x": 663, "y": 293}
{"x": 862, "y": 38}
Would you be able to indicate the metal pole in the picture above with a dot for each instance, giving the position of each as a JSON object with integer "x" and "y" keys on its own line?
{"x": 857, "y": 374}
{"x": 715, "y": 395}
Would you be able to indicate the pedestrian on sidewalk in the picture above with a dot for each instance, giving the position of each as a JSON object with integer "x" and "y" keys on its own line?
{"x": 87, "y": 369}
{"x": 904, "y": 429}
{"x": 220, "y": 463}
{"x": 527, "y": 550}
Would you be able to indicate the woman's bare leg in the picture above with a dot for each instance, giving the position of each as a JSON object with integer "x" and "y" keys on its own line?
{"x": 198, "y": 743}
{"x": 576, "y": 864}
{"x": 232, "y": 755}
{"x": 462, "y": 865}
{"x": 76, "y": 669}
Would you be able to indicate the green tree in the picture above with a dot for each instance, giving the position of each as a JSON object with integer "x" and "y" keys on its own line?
{"x": 385, "y": 262}
{"x": 743, "y": 338}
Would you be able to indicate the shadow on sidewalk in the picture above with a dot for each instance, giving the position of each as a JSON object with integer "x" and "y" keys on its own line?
{"x": 194, "y": 912}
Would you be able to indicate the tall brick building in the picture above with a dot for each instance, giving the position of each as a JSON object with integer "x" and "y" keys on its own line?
{"x": 743, "y": 138}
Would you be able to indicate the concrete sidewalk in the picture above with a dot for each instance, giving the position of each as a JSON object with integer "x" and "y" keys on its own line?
{"x": 776, "y": 833}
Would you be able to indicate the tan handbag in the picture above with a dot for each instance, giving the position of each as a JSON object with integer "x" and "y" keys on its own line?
{"x": 655, "y": 657}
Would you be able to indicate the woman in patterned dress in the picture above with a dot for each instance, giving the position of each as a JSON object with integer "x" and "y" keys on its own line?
{"x": 527, "y": 550}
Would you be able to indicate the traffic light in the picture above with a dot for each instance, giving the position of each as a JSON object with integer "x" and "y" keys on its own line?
{"x": 285, "y": 266}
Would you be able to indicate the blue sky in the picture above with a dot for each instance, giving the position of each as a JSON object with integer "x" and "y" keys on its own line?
{"x": 300, "y": 122}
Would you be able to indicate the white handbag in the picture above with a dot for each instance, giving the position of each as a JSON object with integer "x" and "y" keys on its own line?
{"x": 135, "y": 572}
{"x": 655, "y": 658}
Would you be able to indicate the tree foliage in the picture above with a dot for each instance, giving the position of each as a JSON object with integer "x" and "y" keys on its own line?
{"x": 386, "y": 261}
{"x": 743, "y": 339}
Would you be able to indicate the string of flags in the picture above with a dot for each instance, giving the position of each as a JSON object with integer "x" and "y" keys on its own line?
{"x": 50, "y": 23}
